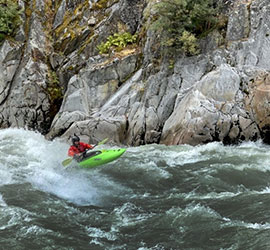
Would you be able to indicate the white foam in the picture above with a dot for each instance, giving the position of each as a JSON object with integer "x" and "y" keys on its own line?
{"x": 265, "y": 191}
{"x": 100, "y": 234}
{"x": 129, "y": 215}
{"x": 5, "y": 176}
{"x": 10, "y": 216}
{"x": 211, "y": 195}
{"x": 29, "y": 157}
{"x": 26, "y": 156}
{"x": 2, "y": 202}
{"x": 237, "y": 223}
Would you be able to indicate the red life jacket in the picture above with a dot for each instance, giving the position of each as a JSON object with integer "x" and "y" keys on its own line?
{"x": 79, "y": 149}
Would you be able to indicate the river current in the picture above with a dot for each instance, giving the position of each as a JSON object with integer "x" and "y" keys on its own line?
{"x": 154, "y": 197}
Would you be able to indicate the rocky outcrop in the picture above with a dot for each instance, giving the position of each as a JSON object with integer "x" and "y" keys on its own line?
{"x": 24, "y": 98}
{"x": 214, "y": 108}
{"x": 85, "y": 102}
{"x": 227, "y": 104}
{"x": 53, "y": 80}
{"x": 257, "y": 102}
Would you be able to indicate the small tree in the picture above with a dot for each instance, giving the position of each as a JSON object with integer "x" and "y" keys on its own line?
{"x": 181, "y": 22}
{"x": 9, "y": 17}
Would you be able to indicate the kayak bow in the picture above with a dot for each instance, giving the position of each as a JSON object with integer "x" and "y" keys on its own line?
{"x": 100, "y": 157}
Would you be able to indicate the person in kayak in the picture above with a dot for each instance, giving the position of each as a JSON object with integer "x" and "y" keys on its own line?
{"x": 78, "y": 148}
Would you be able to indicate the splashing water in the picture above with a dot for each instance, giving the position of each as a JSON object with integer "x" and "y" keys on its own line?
{"x": 153, "y": 197}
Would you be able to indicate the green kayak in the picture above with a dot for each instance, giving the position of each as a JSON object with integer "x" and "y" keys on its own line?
{"x": 100, "y": 157}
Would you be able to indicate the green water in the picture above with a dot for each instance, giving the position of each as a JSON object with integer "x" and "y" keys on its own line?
{"x": 153, "y": 197}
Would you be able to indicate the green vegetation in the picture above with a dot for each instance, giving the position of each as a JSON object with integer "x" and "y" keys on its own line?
{"x": 101, "y": 4}
{"x": 189, "y": 43}
{"x": 9, "y": 18}
{"x": 54, "y": 89}
{"x": 181, "y": 22}
{"x": 54, "y": 92}
{"x": 117, "y": 41}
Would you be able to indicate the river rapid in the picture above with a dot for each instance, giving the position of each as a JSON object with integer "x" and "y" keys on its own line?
{"x": 153, "y": 197}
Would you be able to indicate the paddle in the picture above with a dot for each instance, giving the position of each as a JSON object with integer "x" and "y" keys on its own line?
{"x": 69, "y": 160}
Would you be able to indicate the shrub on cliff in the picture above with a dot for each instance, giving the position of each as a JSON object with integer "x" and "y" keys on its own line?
{"x": 117, "y": 42}
{"x": 9, "y": 17}
{"x": 181, "y": 22}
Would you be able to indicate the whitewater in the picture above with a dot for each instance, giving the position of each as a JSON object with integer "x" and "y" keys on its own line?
{"x": 153, "y": 197}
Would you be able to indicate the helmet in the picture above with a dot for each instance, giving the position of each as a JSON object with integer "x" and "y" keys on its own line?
{"x": 75, "y": 138}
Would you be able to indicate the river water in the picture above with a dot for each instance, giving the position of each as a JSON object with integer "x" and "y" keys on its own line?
{"x": 153, "y": 197}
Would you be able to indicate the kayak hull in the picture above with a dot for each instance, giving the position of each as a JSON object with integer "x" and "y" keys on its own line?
{"x": 101, "y": 157}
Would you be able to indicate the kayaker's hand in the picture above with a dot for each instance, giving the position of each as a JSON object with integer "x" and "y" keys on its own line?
{"x": 76, "y": 157}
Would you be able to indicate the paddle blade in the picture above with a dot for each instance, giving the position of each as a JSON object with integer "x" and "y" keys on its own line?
{"x": 67, "y": 161}
{"x": 104, "y": 141}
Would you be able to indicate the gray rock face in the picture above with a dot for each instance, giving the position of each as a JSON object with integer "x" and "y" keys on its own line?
{"x": 24, "y": 100}
{"x": 212, "y": 109}
{"x": 130, "y": 97}
{"x": 221, "y": 106}
{"x": 238, "y": 25}
{"x": 59, "y": 17}
{"x": 89, "y": 91}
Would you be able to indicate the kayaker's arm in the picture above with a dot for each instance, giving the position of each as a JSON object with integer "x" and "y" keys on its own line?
{"x": 79, "y": 157}
{"x": 69, "y": 160}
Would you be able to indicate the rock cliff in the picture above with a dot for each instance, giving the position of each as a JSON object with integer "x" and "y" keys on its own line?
{"x": 53, "y": 79}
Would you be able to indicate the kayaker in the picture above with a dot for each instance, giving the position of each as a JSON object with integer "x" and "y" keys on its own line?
{"x": 77, "y": 148}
